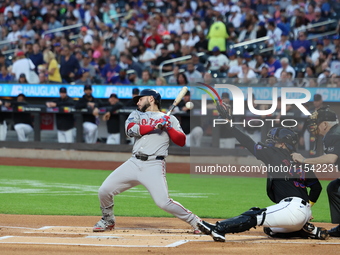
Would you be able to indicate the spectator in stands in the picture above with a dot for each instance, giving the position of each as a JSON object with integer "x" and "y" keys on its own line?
{"x": 52, "y": 67}
{"x": 43, "y": 78}
{"x": 172, "y": 79}
{"x": 90, "y": 120}
{"x": 3, "y": 61}
{"x": 163, "y": 57}
{"x": 192, "y": 74}
{"x": 36, "y": 56}
{"x": 315, "y": 55}
{"x": 235, "y": 18}
{"x": 174, "y": 24}
{"x": 285, "y": 67}
{"x": 111, "y": 69}
{"x": 273, "y": 32}
{"x": 264, "y": 76}
{"x": 13, "y": 7}
{"x": 182, "y": 79}
{"x": 15, "y": 35}
{"x": 86, "y": 63}
{"x": 54, "y": 24}
{"x": 302, "y": 45}
{"x": 65, "y": 122}
{"x": 218, "y": 62}
{"x": 246, "y": 75}
{"x": 236, "y": 69}
{"x": 5, "y": 76}
{"x": 160, "y": 81}
{"x": 324, "y": 77}
{"x": 327, "y": 44}
{"x": 141, "y": 23}
{"x": 23, "y": 124}
{"x": 297, "y": 60}
{"x": 153, "y": 36}
{"x": 85, "y": 78}
{"x": 166, "y": 43}
{"x": 318, "y": 18}
{"x": 146, "y": 79}
{"x": 87, "y": 38}
{"x": 131, "y": 64}
{"x": 69, "y": 65}
{"x": 202, "y": 44}
{"x": 22, "y": 65}
{"x": 146, "y": 56}
{"x": 22, "y": 79}
{"x": 310, "y": 72}
{"x": 248, "y": 33}
{"x": 284, "y": 80}
{"x": 112, "y": 119}
{"x": 284, "y": 46}
{"x": 120, "y": 79}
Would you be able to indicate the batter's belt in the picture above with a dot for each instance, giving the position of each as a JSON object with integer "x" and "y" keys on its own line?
{"x": 144, "y": 157}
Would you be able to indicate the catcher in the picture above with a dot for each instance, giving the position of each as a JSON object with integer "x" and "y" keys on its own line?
{"x": 324, "y": 122}
{"x": 290, "y": 215}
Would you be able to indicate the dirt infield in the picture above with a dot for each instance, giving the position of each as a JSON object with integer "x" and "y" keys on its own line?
{"x": 35, "y": 235}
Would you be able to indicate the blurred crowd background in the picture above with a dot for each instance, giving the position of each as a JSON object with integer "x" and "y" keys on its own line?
{"x": 170, "y": 42}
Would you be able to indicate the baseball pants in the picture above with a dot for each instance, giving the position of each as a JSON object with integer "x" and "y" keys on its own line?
{"x": 333, "y": 191}
{"x": 194, "y": 138}
{"x": 90, "y": 132}
{"x": 113, "y": 139}
{"x": 65, "y": 136}
{"x": 289, "y": 215}
{"x": 23, "y": 130}
{"x": 150, "y": 174}
{"x": 3, "y": 131}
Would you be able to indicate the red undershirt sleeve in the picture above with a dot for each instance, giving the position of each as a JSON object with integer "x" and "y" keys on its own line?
{"x": 177, "y": 137}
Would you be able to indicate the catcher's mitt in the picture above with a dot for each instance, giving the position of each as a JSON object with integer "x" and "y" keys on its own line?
{"x": 224, "y": 111}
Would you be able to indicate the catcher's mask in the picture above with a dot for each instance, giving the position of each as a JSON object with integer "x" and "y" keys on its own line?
{"x": 323, "y": 114}
{"x": 282, "y": 135}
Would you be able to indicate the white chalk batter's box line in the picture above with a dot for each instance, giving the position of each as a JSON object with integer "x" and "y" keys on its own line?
{"x": 265, "y": 240}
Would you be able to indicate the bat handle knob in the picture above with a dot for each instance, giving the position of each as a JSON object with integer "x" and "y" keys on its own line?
{"x": 159, "y": 126}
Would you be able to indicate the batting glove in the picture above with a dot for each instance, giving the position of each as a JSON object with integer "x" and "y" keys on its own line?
{"x": 165, "y": 119}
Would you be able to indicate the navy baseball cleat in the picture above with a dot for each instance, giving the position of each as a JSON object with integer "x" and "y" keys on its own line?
{"x": 209, "y": 229}
{"x": 334, "y": 231}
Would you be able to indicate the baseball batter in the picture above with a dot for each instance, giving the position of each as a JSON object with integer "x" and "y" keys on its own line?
{"x": 147, "y": 164}
{"x": 288, "y": 189}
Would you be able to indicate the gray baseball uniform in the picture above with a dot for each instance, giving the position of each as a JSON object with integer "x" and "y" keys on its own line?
{"x": 150, "y": 173}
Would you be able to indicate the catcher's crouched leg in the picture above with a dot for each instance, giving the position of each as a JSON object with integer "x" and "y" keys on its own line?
{"x": 241, "y": 223}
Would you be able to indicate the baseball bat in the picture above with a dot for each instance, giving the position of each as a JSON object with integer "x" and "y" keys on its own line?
{"x": 178, "y": 99}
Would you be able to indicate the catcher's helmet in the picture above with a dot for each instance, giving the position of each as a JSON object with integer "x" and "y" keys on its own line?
{"x": 323, "y": 114}
{"x": 148, "y": 92}
{"x": 282, "y": 135}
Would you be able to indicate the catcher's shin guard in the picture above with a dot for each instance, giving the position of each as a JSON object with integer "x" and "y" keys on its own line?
{"x": 241, "y": 223}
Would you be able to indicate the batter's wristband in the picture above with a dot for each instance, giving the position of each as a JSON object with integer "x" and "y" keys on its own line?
{"x": 311, "y": 203}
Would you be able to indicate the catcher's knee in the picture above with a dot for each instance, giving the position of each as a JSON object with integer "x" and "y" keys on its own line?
{"x": 241, "y": 223}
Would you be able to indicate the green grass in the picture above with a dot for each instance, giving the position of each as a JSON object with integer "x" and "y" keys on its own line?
{"x": 59, "y": 191}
